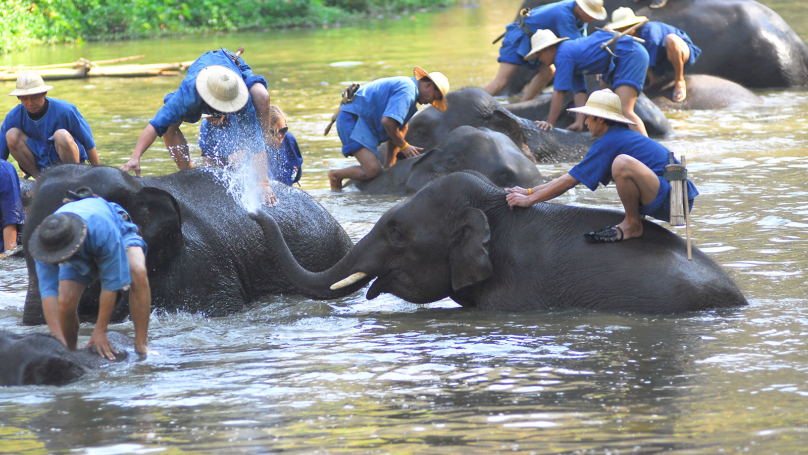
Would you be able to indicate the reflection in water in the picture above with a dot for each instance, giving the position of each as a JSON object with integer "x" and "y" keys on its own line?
{"x": 380, "y": 376}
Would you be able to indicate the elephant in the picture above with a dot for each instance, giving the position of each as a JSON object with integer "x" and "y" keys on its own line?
{"x": 703, "y": 92}
{"x": 204, "y": 252}
{"x": 465, "y": 148}
{"x": 457, "y": 238}
{"x": 741, "y": 40}
{"x": 40, "y": 359}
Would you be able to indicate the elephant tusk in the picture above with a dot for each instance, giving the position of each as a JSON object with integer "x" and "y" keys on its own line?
{"x": 348, "y": 281}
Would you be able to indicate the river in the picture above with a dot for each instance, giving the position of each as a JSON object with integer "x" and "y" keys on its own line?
{"x": 384, "y": 376}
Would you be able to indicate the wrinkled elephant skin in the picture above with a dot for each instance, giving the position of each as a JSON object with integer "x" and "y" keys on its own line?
{"x": 703, "y": 92}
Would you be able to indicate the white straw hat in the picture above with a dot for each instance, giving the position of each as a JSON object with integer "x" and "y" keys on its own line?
{"x": 604, "y": 104}
{"x": 440, "y": 81}
{"x": 624, "y": 17}
{"x": 222, "y": 88}
{"x": 541, "y": 40}
{"x": 30, "y": 83}
{"x": 593, "y": 8}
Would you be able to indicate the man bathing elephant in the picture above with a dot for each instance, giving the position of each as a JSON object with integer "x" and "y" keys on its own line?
{"x": 634, "y": 162}
{"x": 379, "y": 112}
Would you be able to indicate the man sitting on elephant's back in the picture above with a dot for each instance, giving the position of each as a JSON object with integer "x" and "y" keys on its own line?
{"x": 380, "y": 112}
{"x": 634, "y": 162}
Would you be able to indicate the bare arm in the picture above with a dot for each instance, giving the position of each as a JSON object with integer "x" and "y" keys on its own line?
{"x": 145, "y": 141}
{"x": 556, "y": 103}
{"x": 259, "y": 165}
{"x": 50, "y": 307}
{"x": 391, "y": 126}
{"x": 92, "y": 155}
{"x": 9, "y": 237}
{"x": 99, "y": 337}
{"x": 579, "y": 100}
{"x": 544, "y": 192}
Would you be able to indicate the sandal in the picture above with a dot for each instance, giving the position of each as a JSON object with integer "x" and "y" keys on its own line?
{"x": 658, "y": 4}
{"x": 609, "y": 234}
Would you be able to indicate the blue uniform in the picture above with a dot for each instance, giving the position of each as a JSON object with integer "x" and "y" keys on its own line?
{"x": 359, "y": 123}
{"x": 575, "y": 59}
{"x": 654, "y": 34}
{"x": 11, "y": 211}
{"x": 61, "y": 115}
{"x": 185, "y": 103}
{"x": 103, "y": 253}
{"x": 286, "y": 162}
{"x": 556, "y": 17}
{"x": 238, "y": 131}
{"x": 596, "y": 166}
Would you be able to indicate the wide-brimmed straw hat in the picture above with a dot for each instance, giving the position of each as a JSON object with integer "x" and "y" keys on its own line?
{"x": 540, "y": 41}
{"x": 604, "y": 104}
{"x": 30, "y": 83}
{"x": 57, "y": 238}
{"x": 624, "y": 17}
{"x": 440, "y": 81}
{"x": 593, "y": 8}
{"x": 222, "y": 88}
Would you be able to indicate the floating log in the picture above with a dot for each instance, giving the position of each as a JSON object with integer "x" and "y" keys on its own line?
{"x": 84, "y": 68}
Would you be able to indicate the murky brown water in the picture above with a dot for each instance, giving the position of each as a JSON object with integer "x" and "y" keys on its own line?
{"x": 386, "y": 376}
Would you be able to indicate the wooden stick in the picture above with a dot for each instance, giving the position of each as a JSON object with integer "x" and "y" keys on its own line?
{"x": 624, "y": 33}
{"x": 687, "y": 213}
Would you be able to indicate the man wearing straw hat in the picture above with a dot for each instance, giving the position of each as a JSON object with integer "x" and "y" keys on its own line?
{"x": 41, "y": 132}
{"x": 89, "y": 239}
{"x": 380, "y": 112}
{"x": 214, "y": 86}
{"x": 632, "y": 161}
{"x": 624, "y": 72}
{"x": 566, "y": 19}
{"x": 669, "y": 49}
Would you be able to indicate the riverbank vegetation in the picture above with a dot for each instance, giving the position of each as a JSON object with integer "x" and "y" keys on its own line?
{"x": 24, "y": 23}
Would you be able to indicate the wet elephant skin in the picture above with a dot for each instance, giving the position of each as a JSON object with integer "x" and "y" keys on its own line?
{"x": 703, "y": 92}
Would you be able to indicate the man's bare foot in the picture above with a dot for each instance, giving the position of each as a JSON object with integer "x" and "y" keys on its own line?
{"x": 679, "y": 91}
{"x": 336, "y": 182}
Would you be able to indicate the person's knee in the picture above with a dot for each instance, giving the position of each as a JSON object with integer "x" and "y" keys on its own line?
{"x": 14, "y": 137}
{"x": 373, "y": 170}
{"x": 621, "y": 166}
{"x": 63, "y": 137}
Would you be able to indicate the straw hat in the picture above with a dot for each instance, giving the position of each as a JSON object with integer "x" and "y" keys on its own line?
{"x": 604, "y": 104}
{"x": 30, "y": 83}
{"x": 593, "y": 8}
{"x": 540, "y": 41}
{"x": 222, "y": 88}
{"x": 440, "y": 81}
{"x": 624, "y": 17}
{"x": 57, "y": 238}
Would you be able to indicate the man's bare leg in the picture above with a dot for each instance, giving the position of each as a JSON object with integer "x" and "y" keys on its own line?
{"x": 636, "y": 185}
{"x": 628, "y": 96}
{"x": 178, "y": 147}
{"x": 18, "y": 148}
{"x": 369, "y": 168}
{"x": 69, "y": 294}
{"x": 139, "y": 297}
{"x": 504, "y": 75}
{"x": 538, "y": 82}
{"x": 66, "y": 147}
{"x": 678, "y": 54}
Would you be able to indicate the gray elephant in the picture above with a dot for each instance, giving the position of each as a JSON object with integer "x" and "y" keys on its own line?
{"x": 457, "y": 238}
{"x": 703, "y": 92}
{"x": 466, "y": 148}
{"x": 39, "y": 359}
{"x": 205, "y": 254}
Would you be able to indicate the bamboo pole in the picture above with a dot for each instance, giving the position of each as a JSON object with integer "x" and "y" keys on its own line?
{"x": 687, "y": 213}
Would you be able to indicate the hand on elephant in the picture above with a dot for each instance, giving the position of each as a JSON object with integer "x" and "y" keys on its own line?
{"x": 516, "y": 190}
{"x": 101, "y": 343}
{"x": 546, "y": 126}
{"x": 410, "y": 151}
{"x": 267, "y": 195}
{"x": 132, "y": 165}
{"x": 518, "y": 200}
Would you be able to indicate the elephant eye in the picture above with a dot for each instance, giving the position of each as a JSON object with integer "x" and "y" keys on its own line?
{"x": 397, "y": 237}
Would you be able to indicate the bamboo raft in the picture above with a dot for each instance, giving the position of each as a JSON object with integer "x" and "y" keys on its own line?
{"x": 84, "y": 68}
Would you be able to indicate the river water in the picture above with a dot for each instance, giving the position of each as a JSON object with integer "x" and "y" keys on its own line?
{"x": 384, "y": 376}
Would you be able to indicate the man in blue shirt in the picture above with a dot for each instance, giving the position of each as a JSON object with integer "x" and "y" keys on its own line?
{"x": 625, "y": 73}
{"x": 41, "y": 132}
{"x": 85, "y": 240}
{"x": 634, "y": 162}
{"x": 215, "y": 85}
{"x": 669, "y": 49}
{"x": 380, "y": 112}
{"x": 567, "y": 19}
{"x": 12, "y": 216}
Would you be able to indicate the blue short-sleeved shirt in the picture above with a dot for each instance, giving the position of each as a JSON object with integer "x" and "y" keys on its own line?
{"x": 103, "y": 253}
{"x": 393, "y": 97}
{"x": 556, "y": 17}
{"x": 11, "y": 211}
{"x": 654, "y": 34}
{"x": 575, "y": 59}
{"x": 185, "y": 103}
{"x": 286, "y": 162}
{"x": 596, "y": 167}
{"x": 238, "y": 131}
{"x": 60, "y": 115}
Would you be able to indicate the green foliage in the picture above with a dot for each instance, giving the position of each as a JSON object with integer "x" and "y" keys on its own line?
{"x": 27, "y": 22}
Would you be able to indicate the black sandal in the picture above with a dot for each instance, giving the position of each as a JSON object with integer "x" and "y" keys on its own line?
{"x": 605, "y": 235}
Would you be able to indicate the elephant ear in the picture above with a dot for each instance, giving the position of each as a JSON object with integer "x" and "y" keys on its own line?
{"x": 427, "y": 167}
{"x": 158, "y": 217}
{"x": 468, "y": 258}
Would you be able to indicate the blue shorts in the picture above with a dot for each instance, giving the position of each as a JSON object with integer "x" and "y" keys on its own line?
{"x": 50, "y": 157}
{"x": 630, "y": 68}
{"x": 346, "y": 122}
{"x": 660, "y": 209}
{"x": 513, "y": 48}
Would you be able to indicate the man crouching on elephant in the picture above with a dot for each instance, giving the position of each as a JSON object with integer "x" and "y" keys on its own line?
{"x": 379, "y": 112}
{"x": 634, "y": 162}
{"x": 86, "y": 239}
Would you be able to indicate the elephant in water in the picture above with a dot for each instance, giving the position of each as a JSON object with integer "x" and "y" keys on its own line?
{"x": 703, "y": 92}
{"x": 39, "y": 359}
{"x": 466, "y": 148}
{"x": 457, "y": 238}
{"x": 205, "y": 254}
